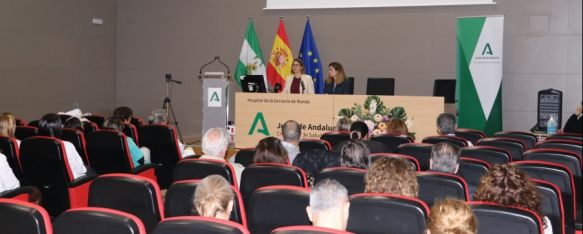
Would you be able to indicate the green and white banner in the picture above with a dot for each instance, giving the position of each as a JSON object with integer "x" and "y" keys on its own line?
{"x": 479, "y": 73}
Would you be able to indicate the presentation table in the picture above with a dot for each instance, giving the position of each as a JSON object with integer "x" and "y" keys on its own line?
{"x": 258, "y": 115}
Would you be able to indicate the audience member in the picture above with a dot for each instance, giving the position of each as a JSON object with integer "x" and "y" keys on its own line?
{"x": 160, "y": 117}
{"x": 354, "y": 154}
{"x": 8, "y": 180}
{"x": 575, "y": 122}
{"x": 8, "y": 126}
{"x": 337, "y": 83}
{"x": 445, "y": 157}
{"x": 343, "y": 124}
{"x": 73, "y": 123}
{"x": 50, "y": 125}
{"x": 292, "y": 132}
{"x": 446, "y": 125}
{"x": 139, "y": 155}
{"x": 398, "y": 127}
{"x": 359, "y": 130}
{"x": 313, "y": 161}
{"x": 391, "y": 175}
{"x": 124, "y": 113}
{"x": 298, "y": 82}
{"x": 506, "y": 185}
{"x": 213, "y": 198}
{"x": 270, "y": 150}
{"x": 329, "y": 205}
{"x": 215, "y": 143}
{"x": 451, "y": 216}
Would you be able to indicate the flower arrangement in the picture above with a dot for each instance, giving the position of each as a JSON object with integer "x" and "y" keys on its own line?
{"x": 375, "y": 114}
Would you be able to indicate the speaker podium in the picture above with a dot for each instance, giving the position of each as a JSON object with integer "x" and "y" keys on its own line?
{"x": 215, "y": 99}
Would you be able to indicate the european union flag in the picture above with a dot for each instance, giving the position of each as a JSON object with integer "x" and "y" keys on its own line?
{"x": 309, "y": 54}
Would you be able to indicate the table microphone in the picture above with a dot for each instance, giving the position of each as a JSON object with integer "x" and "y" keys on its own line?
{"x": 277, "y": 88}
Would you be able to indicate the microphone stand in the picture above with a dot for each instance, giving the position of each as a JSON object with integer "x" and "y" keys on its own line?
{"x": 167, "y": 105}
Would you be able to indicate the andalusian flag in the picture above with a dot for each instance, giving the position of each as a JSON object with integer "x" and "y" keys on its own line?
{"x": 250, "y": 60}
{"x": 479, "y": 73}
{"x": 280, "y": 63}
{"x": 309, "y": 54}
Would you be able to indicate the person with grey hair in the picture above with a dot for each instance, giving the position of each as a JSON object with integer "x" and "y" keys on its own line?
{"x": 215, "y": 142}
{"x": 354, "y": 153}
{"x": 445, "y": 157}
{"x": 343, "y": 124}
{"x": 159, "y": 116}
{"x": 292, "y": 133}
{"x": 329, "y": 205}
{"x": 446, "y": 125}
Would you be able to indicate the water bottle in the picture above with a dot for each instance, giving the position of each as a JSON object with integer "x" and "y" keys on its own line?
{"x": 551, "y": 125}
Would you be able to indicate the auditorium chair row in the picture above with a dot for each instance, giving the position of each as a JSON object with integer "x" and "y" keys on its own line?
{"x": 122, "y": 203}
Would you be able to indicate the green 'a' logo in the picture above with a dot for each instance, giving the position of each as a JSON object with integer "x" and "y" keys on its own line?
{"x": 263, "y": 130}
{"x": 487, "y": 49}
{"x": 215, "y": 97}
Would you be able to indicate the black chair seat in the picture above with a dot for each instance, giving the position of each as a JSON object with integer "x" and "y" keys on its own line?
{"x": 197, "y": 224}
{"x": 385, "y": 213}
{"x": 93, "y": 220}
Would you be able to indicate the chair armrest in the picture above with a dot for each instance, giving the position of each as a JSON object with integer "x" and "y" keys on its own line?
{"x": 144, "y": 167}
{"x": 17, "y": 191}
{"x": 81, "y": 180}
{"x": 194, "y": 156}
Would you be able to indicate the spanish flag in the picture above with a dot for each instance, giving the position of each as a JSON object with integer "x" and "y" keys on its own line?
{"x": 281, "y": 59}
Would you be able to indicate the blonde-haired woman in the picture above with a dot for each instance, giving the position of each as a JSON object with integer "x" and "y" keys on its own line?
{"x": 451, "y": 216}
{"x": 8, "y": 126}
{"x": 298, "y": 82}
{"x": 213, "y": 198}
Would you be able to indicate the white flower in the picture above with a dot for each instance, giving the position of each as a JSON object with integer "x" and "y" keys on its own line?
{"x": 370, "y": 126}
{"x": 354, "y": 118}
{"x": 376, "y": 132}
{"x": 372, "y": 107}
{"x": 378, "y": 118}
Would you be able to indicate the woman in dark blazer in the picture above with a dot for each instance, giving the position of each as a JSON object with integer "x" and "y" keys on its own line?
{"x": 337, "y": 82}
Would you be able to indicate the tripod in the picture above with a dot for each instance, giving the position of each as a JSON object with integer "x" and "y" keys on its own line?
{"x": 167, "y": 105}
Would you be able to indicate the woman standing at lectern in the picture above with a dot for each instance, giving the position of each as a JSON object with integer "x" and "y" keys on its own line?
{"x": 298, "y": 82}
{"x": 337, "y": 82}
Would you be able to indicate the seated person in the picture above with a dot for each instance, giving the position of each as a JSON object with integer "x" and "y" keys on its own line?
{"x": 214, "y": 145}
{"x": 391, "y": 175}
{"x": 446, "y": 125}
{"x": 8, "y": 180}
{"x": 329, "y": 205}
{"x": 298, "y": 82}
{"x": 445, "y": 157}
{"x": 398, "y": 127}
{"x": 213, "y": 198}
{"x": 270, "y": 150}
{"x": 354, "y": 154}
{"x": 359, "y": 130}
{"x": 451, "y": 216}
{"x": 292, "y": 133}
{"x": 313, "y": 161}
{"x": 343, "y": 124}
{"x": 73, "y": 123}
{"x": 8, "y": 126}
{"x": 160, "y": 117}
{"x": 575, "y": 122}
{"x": 113, "y": 123}
{"x": 508, "y": 186}
{"x": 336, "y": 83}
{"x": 50, "y": 125}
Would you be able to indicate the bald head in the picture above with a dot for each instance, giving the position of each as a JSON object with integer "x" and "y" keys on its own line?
{"x": 215, "y": 142}
{"x": 291, "y": 131}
